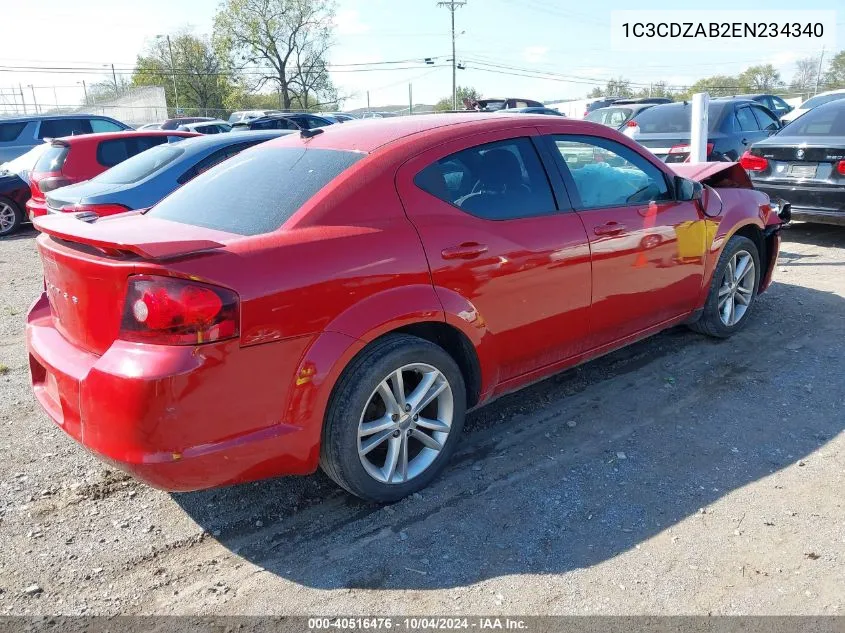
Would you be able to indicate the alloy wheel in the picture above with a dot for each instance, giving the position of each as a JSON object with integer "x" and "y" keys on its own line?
{"x": 7, "y": 218}
{"x": 737, "y": 289}
{"x": 405, "y": 423}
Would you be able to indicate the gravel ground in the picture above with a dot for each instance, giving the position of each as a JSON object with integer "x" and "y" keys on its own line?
{"x": 681, "y": 475}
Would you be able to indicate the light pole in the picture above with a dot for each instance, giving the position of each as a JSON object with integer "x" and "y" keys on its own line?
{"x": 172, "y": 69}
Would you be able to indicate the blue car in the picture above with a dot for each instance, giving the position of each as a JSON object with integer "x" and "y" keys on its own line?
{"x": 144, "y": 179}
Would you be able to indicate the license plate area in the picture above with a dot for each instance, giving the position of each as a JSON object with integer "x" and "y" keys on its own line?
{"x": 802, "y": 170}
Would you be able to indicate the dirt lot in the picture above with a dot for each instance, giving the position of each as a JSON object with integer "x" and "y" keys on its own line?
{"x": 679, "y": 476}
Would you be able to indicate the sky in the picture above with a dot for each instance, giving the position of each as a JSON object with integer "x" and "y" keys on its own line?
{"x": 565, "y": 37}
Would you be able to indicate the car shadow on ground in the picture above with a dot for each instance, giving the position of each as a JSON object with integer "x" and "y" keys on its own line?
{"x": 572, "y": 471}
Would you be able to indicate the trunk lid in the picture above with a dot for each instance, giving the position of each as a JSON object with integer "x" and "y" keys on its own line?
{"x": 86, "y": 265}
{"x": 800, "y": 160}
{"x": 77, "y": 194}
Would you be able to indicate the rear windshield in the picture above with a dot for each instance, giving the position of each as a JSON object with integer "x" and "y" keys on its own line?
{"x": 675, "y": 117}
{"x": 53, "y": 159}
{"x": 255, "y": 192}
{"x": 610, "y": 116}
{"x": 815, "y": 102}
{"x": 140, "y": 166}
{"x": 824, "y": 121}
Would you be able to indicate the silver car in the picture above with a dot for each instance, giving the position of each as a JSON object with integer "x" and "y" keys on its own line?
{"x": 20, "y": 134}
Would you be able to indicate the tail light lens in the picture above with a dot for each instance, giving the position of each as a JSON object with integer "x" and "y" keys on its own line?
{"x": 750, "y": 162}
{"x": 99, "y": 209}
{"x": 631, "y": 123}
{"x": 170, "y": 311}
{"x": 840, "y": 167}
{"x": 53, "y": 182}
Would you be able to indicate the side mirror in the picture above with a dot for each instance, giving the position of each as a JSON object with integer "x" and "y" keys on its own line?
{"x": 687, "y": 190}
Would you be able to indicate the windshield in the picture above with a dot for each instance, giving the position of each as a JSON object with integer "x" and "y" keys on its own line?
{"x": 675, "y": 118}
{"x": 280, "y": 180}
{"x": 613, "y": 117}
{"x": 140, "y": 166}
{"x": 816, "y": 101}
{"x": 828, "y": 120}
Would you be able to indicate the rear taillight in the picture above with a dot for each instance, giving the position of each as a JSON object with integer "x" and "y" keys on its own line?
{"x": 631, "y": 123}
{"x": 840, "y": 167}
{"x": 53, "y": 182}
{"x": 171, "y": 311}
{"x": 99, "y": 209}
{"x": 750, "y": 162}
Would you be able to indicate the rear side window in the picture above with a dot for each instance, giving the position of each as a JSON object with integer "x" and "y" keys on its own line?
{"x": 255, "y": 192}
{"x": 11, "y": 131}
{"x": 53, "y": 159}
{"x": 675, "y": 117}
{"x": 504, "y": 180}
{"x": 56, "y": 128}
{"x": 766, "y": 120}
{"x": 115, "y": 151}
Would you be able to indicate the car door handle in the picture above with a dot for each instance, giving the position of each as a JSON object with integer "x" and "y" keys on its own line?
{"x": 467, "y": 250}
{"x": 611, "y": 228}
{"x": 745, "y": 141}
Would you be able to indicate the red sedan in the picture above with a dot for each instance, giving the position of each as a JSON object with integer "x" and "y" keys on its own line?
{"x": 341, "y": 297}
{"x": 73, "y": 159}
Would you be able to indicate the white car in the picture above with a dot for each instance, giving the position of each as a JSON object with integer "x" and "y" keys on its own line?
{"x": 812, "y": 102}
{"x": 215, "y": 126}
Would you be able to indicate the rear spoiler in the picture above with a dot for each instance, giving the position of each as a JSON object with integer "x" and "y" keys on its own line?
{"x": 116, "y": 238}
{"x": 717, "y": 174}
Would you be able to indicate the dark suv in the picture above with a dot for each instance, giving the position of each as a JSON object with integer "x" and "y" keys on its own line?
{"x": 20, "y": 134}
{"x": 284, "y": 121}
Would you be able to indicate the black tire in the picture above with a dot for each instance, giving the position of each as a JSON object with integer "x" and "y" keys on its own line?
{"x": 710, "y": 321}
{"x": 339, "y": 456}
{"x": 17, "y": 215}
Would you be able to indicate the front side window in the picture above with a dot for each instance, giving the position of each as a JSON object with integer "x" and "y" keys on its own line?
{"x": 608, "y": 174}
{"x": 504, "y": 180}
{"x": 102, "y": 125}
{"x": 767, "y": 121}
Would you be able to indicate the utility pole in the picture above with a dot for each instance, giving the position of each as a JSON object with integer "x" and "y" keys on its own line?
{"x": 34, "y": 100}
{"x": 173, "y": 71}
{"x": 819, "y": 73}
{"x": 85, "y": 90}
{"x": 410, "y": 98}
{"x": 114, "y": 76}
{"x": 453, "y": 5}
{"x": 23, "y": 101}
{"x": 368, "y": 100}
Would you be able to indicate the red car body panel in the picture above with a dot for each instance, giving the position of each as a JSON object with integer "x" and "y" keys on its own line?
{"x": 81, "y": 162}
{"x": 368, "y": 254}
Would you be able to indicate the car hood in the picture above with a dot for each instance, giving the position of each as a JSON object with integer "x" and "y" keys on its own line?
{"x": 79, "y": 193}
{"x": 715, "y": 174}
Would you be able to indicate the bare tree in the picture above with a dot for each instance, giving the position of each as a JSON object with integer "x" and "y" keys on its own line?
{"x": 279, "y": 41}
{"x": 806, "y": 71}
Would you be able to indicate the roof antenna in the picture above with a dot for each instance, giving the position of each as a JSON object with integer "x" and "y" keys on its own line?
{"x": 306, "y": 133}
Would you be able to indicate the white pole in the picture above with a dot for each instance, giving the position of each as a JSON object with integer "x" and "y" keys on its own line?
{"x": 698, "y": 128}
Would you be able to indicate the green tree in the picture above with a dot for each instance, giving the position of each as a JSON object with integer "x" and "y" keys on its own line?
{"x": 715, "y": 86}
{"x": 464, "y": 92}
{"x": 281, "y": 42}
{"x": 201, "y": 79}
{"x": 835, "y": 75}
{"x": 619, "y": 87}
{"x": 760, "y": 78}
